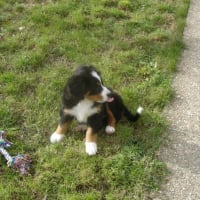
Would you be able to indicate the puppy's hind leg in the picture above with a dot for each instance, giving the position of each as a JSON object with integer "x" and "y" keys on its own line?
{"x": 110, "y": 128}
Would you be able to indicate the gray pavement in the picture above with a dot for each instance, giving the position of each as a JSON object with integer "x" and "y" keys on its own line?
{"x": 182, "y": 152}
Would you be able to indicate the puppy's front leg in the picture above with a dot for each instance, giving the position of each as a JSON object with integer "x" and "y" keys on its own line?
{"x": 91, "y": 142}
{"x": 62, "y": 129}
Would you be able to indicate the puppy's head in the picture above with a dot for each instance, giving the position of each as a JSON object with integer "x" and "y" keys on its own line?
{"x": 87, "y": 83}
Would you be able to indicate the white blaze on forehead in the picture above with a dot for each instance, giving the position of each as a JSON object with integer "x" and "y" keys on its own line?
{"x": 94, "y": 74}
{"x": 105, "y": 91}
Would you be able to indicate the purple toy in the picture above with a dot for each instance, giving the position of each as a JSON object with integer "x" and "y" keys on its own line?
{"x": 20, "y": 162}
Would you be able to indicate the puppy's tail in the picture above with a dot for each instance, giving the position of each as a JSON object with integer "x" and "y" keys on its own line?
{"x": 130, "y": 116}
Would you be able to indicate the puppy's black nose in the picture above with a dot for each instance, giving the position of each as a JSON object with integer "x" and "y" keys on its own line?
{"x": 110, "y": 95}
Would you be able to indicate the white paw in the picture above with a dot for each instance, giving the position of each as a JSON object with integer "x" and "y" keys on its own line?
{"x": 55, "y": 137}
{"x": 110, "y": 129}
{"x": 91, "y": 148}
{"x": 140, "y": 110}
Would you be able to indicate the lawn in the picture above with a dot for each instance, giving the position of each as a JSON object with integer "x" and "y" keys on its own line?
{"x": 135, "y": 44}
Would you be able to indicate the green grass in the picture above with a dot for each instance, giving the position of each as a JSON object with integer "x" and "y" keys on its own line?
{"x": 135, "y": 44}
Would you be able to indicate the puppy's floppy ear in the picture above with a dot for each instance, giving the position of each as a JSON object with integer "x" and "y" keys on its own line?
{"x": 78, "y": 86}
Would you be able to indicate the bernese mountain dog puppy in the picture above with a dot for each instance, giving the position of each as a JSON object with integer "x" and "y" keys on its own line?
{"x": 86, "y": 99}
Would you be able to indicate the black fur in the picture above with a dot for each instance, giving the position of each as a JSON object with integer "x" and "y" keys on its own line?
{"x": 119, "y": 109}
{"x": 92, "y": 104}
{"x": 75, "y": 90}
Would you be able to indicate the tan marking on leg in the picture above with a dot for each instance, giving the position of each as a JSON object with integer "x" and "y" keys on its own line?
{"x": 111, "y": 118}
{"x": 62, "y": 128}
{"x": 90, "y": 136}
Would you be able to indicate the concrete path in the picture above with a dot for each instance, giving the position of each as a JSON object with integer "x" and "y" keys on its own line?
{"x": 182, "y": 153}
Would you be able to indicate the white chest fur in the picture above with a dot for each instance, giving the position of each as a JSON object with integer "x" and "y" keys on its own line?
{"x": 83, "y": 110}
